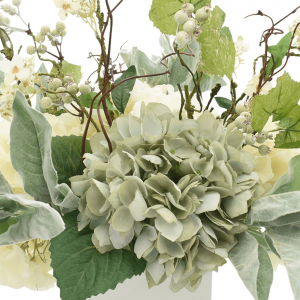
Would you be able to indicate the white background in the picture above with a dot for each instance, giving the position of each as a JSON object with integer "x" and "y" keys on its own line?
{"x": 132, "y": 23}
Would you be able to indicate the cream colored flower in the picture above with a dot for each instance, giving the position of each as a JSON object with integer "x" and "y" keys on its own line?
{"x": 66, "y": 7}
{"x": 253, "y": 84}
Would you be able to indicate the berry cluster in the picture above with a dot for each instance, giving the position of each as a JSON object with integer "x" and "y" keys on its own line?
{"x": 192, "y": 25}
{"x": 11, "y": 10}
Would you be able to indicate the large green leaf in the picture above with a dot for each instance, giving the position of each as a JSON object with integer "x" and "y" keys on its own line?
{"x": 278, "y": 51}
{"x": 287, "y": 242}
{"x": 22, "y": 220}
{"x": 4, "y": 185}
{"x": 68, "y": 68}
{"x": 30, "y": 150}
{"x": 208, "y": 82}
{"x": 253, "y": 264}
{"x": 86, "y": 101}
{"x": 145, "y": 66}
{"x": 66, "y": 157}
{"x": 218, "y": 50}
{"x": 121, "y": 93}
{"x": 39, "y": 95}
{"x": 280, "y": 102}
{"x": 180, "y": 74}
{"x": 81, "y": 271}
{"x": 162, "y": 13}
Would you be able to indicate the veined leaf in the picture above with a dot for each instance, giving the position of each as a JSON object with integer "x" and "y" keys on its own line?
{"x": 4, "y": 186}
{"x": 86, "y": 101}
{"x": 68, "y": 68}
{"x": 162, "y": 13}
{"x": 30, "y": 150}
{"x": 218, "y": 50}
{"x": 253, "y": 264}
{"x": 81, "y": 271}
{"x": 121, "y": 93}
{"x": 180, "y": 74}
{"x": 22, "y": 220}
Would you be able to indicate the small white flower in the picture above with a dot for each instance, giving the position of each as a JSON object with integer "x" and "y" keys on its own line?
{"x": 66, "y": 6}
{"x": 14, "y": 69}
{"x": 240, "y": 46}
{"x": 253, "y": 84}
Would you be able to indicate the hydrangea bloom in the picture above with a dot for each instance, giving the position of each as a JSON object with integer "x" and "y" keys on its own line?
{"x": 181, "y": 187}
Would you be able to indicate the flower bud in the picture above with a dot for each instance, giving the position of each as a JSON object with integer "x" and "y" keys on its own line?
{"x": 241, "y": 107}
{"x": 84, "y": 89}
{"x": 67, "y": 98}
{"x": 189, "y": 27}
{"x": 262, "y": 137}
{"x": 250, "y": 139}
{"x": 31, "y": 50}
{"x": 60, "y": 90}
{"x": 202, "y": 14}
{"x": 241, "y": 122}
{"x": 188, "y": 7}
{"x": 6, "y": 8}
{"x": 40, "y": 38}
{"x": 60, "y": 26}
{"x": 46, "y": 102}
{"x": 63, "y": 33}
{"x": 13, "y": 11}
{"x": 45, "y": 30}
{"x": 16, "y": 2}
{"x": 73, "y": 88}
{"x": 264, "y": 150}
{"x": 247, "y": 115}
{"x": 68, "y": 79}
{"x": 183, "y": 39}
{"x": 56, "y": 83}
{"x": 181, "y": 17}
{"x": 54, "y": 32}
{"x": 42, "y": 49}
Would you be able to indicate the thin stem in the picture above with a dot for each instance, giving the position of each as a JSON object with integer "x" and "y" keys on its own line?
{"x": 182, "y": 101}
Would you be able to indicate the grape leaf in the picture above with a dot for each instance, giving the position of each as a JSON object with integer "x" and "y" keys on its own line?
{"x": 278, "y": 51}
{"x": 86, "y": 101}
{"x": 66, "y": 157}
{"x": 162, "y": 13}
{"x": 281, "y": 102}
{"x": 121, "y": 93}
{"x": 218, "y": 50}
{"x": 81, "y": 271}
{"x": 223, "y": 102}
{"x": 70, "y": 69}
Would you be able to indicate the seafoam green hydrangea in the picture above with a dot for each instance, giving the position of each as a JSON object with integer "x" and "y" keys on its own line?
{"x": 180, "y": 189}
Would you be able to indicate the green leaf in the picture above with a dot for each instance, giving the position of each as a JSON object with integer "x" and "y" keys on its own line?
{"x": 164, "y": 41}
{"x": 260, "y": 237}
{"x": 40, "y": 95}
{"x": 70, "y": 69}
{"x": 208, "y": 82}
{"x": 287, "y": 243}
{"x": 145, "y": 66}
{"x": 81, "y": 271}
{"x": 218, "y": 50}
{"x": 4, "y": 186}
{"x": 279, "y": 51}
{"x": 66, "y": 157}
{"x": 22, "y": 220}
{"x": 86, "y": 101}
{"x": 223, "y": 102}
{"x": 121, "y": 94}
{"x": 30, "y": 151}
{"x": 253, "y": 264}
{"x": 2, "y": 75}
{"x": 280, "y": 102}
{"x": 180, "y": 74}
{"x": 162, "y": 13}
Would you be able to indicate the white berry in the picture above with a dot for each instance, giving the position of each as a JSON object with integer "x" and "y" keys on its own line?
{"x": 40, "y": 38}
{"x": 262, "y": 136}
{"x": 183, "y": 39}
{"x": 189, "y": 27}
{"x": 60, "y": 26}
{"x": 73, "y": 88}
{"x": 67, "y": 98}
{"x": 188, "y": 7}
{"x": 264, "y": 150}
{"x": 46, "y": 102}
{"x": 241, "y": 122}
{"x": 181, "y": 17}
{"x": 42, "y": 49}
{"x": 250, "y": 139}
{"x": 45, "y": 30}
{"x": 202, "y": 14}
{"x": 16, "y": 2}
{"x": 31, "y": 50}
{"x": 6, "y": 8}
{"x": 241, "y": 107}
{"x": 84, "y": 89}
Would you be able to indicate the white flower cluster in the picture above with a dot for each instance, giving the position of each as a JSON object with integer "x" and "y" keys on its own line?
{"x": 297, "y": 33}
{"x": 181, "y": 187}
{"x": 253, "y": 84}
{"x": 21, "y": 267}
{"x": 240, "y": 48}
{"x": 66, "y": 7}
{"x": 191, "y": 26}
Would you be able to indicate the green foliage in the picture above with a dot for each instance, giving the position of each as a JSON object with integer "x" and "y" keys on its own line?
{"x": 253, "y": 264}
{"x": 40, "y": 95}
{"x": 30, "y": 150}
{"x": 287, "y": 243}
{"x": 66, "y": 156}
{"x": 208, "y": 82}
{"x": 121, "y": 93}
{"x": 162, "y": 13}
{"x": 223, "y": 102}
{"x": 86, "y": 101}
{"x": 70, "y": 69}
{"x": 282, "y": 103}
{"x": 180, "y": 74}
{"x": 22, "y": 220}
{"x": 218, "y": 50}
{"x": 164, "y": 41}
{"x": 145, "y": 66}
{"x": 278, "y": 51}
{"x": 81, "y": 271}
{"x": 2, "y": 75}
{"x": 259, "y": 236}
{"x": 4, "y": 185}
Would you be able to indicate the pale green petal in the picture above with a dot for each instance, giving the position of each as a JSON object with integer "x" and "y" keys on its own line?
{"x": 210, "y": 202}
{"x": 237, "y": 205}
{"x": 119, "y": 241}
{"x": 174, "y": 249}
{"x": 122, "y": 220}
{"x": 156, "y": 270}
{"x": 170, "y": 231}
{"x": 188, "y": 229}
{"x": 102, "y": 234}
{"x": 138, "y": 206}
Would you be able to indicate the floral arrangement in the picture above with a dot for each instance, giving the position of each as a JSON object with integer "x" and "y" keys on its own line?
{"x": 140, "y": 169}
